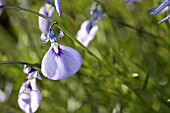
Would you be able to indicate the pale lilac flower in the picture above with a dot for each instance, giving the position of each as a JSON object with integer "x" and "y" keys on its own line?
{"x": 58, "y": 6}
{"x": 30, "y": 97}
{"x": 46, "y": 10}
{"x": 87, "y": 32}
{"x": 60, "y": 61}
{"x": 89, "y": 28}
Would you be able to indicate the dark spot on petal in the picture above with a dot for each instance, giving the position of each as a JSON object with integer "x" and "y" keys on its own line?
{"x": 89, "y": 26}
{"x": 59, "y": 53}
{"x": 29, "y": 86}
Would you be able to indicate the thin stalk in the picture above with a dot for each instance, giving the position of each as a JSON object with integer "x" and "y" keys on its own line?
{"x": 21, "y": 63}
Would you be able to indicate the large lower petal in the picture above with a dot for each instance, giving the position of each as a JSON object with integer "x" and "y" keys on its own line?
{"x": 61, "y": 65}
{"x": 29, "y": 97}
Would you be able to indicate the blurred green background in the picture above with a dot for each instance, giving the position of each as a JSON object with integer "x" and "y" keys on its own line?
{"x": 129, "y": 41}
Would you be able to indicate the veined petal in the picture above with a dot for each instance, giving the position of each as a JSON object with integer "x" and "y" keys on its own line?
{"x": 62, "y": 64}
{"x": 160, "y": 8}
{"x": 58, "y": 6}
{"x": 29, "y": 97}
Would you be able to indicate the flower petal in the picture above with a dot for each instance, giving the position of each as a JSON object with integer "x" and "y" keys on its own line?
{"x": 160, "y": 7}
{"x": 29, "y": 97}
{"x": 62, "y": 64}
{"x": 91, "y": 35}
{"x": 43, "y": 23}
{"x": 83, "y": 32}
{"x": 86, "y": 34}
{"x": 165, "y": 19}
{"x": 44, "y": 38}
{"x": 58, "y": 6}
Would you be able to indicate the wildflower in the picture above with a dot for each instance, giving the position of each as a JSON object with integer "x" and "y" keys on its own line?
{"x": 30, "y": 97}
{"x": 46, "y": 10}
{"x": 58, "y": 6}
{"x": 163, "y": 7}
{"x": 89, "y": 28}
{"x": 60, "y": 61}
{"x": 87, "y": 32}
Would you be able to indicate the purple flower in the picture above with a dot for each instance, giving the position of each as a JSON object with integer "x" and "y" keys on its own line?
{"x": 30, "y": 97}
{"x": 58, "y": 6}
{"x": 87, "y": 32}
{"x": 60, "y": 61}
{"x": 89, "y": 28}
{"x": 46, "y": 10}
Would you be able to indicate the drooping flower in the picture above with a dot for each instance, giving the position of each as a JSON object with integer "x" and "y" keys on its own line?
{"x": 87, "y": 32}
{"x": 46, "y": 10}
{"x": 58, "y": 6}
{"x": 60, "y": 61}
{"x": 89, "y": 28}
{"x": 164, "y": 6}
{"x": 30, "y": 97}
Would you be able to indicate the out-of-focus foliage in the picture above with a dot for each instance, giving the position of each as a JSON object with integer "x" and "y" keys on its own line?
{"x": 129, "y": 41}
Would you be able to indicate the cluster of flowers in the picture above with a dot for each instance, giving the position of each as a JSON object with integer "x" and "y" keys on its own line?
{"x": 58, "y": 63}
{"x": 164, "y": 6}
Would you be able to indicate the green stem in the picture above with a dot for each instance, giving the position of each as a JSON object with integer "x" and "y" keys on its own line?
{"x": 22, "y": 63}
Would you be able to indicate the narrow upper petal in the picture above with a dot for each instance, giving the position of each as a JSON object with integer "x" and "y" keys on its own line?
{"x": 58, "y": 6}
{"x": 62, "y": 64}
{"x": 161, "y": 7}
{"x": 43, "y": 23}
